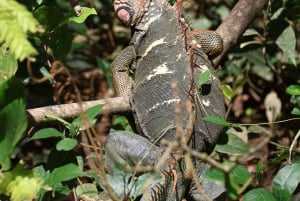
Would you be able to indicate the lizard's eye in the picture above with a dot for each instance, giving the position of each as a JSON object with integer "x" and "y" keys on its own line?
{"x": 124, "y": 11}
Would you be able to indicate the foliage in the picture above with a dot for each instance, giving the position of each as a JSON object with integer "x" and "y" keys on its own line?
{"x": 16, "y": 21}
{"x": 12, "y": 105}
{"x": 20, "y": 184}
{"x": 263, "y": 61}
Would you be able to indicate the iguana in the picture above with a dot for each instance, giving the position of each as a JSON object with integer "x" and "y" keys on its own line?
{"x": 162, "y": 52}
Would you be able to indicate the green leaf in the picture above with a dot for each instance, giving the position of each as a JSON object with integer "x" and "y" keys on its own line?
{"x": 204, "y": 77}
{"x": 91, "y": 113}
{"x": 11, "y": 90}
{"x": 20, "y": 184}
{"x": 87, "y": 189}
{"x": 286, "y": 181}
{"x": 279, "y": 158}
{"x": 237, "y": 177}
{"x": 64, "y": 173}
{"x": 105, "y": 67}
{"x": 227, "y": 91}
{"x": 259, "y": 68}
{"x": 12, "y": 117}
{"x": 15, "y": 22}
{"x": 293, "y": 90}
{"x": 49, "y": 17}
{"x": 214, "y": 174}
{"x": 66, "y": 144}
{"x": 60, "y": 158}
{"x": 85, "y": 13}
{"x": 251, "y": 32}
{"x": 277, "y": 14}
{"x": 219, "y": 120}
{"x": 60, "y": 41}
{"x": 235, "y": 145}
{"x": 119, "y": 181}
{"x": 8, "y": 64}
{"x": 47, "y": 133}
{"x": 287, "y": 43}
{"x": 64, "y": 122}
{"x": 121, "y": 123}
{"x": 240, "y": 174}
{"x": 259, "y": 194}
{"x": 295, "y": 111}
{"x": 259, "y": 171}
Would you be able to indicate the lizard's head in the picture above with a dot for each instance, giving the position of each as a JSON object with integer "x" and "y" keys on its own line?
{"x": 130, "y": 11}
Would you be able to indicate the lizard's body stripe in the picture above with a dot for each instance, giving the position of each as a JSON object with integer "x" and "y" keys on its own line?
{"x": 175, "y": 100}
{"x": 153, "y": 45}
{"x": 178, "y": 57}
{"x": 159, "y": 70}
{"x": 150, "y": 19}
{"x": 206, "y": 102}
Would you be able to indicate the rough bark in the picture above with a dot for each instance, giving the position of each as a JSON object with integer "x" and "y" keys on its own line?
{"x": 73, "y": 110}
{"x": 236, "y": 23}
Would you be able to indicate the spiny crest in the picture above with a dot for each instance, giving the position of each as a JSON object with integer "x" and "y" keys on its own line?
{"x": 130, "y": 11}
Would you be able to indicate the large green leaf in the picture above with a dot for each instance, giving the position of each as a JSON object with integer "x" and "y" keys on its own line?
{"x": 20, "y": 184}
{"x": 66, "y": 144}
{"x": 237, "y": 177}
{"x": 259, "y": 66}
{"x": 85, "y": 13}
{"x": 286, "y": 181}
{"x": 87, "y": 189}
{"x": 64, "y": 173}
{"x": 287, "y": 43}
{"x": 12, "y": 117}
{"x": 234, "y": 145}
{"x": 85, "y": 121}
{"x": 119, "y": 181}
{"x": 259, "y": 194}
{"x": 60, "y": 41}
{"x": 293, "y": 89}
{"x": 123, "y": 183}
{"x": 15, "y": 22}
{"x": 47, "y": 133}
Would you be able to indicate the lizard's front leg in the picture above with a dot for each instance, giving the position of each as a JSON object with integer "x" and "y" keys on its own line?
{"x": 209, "y": 41}
{"x": 120, "y": 71}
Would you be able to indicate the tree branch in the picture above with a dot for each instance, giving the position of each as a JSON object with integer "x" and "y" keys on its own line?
{"x": 236, "y": 23}
{"x": 73, "y": 110}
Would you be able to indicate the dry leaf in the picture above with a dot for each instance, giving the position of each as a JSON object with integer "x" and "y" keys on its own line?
{"x": 273, "y": 106}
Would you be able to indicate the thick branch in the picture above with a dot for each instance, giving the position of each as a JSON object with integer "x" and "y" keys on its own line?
{"x": 69, "y": 111}
{"x": 237, "y": 21}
